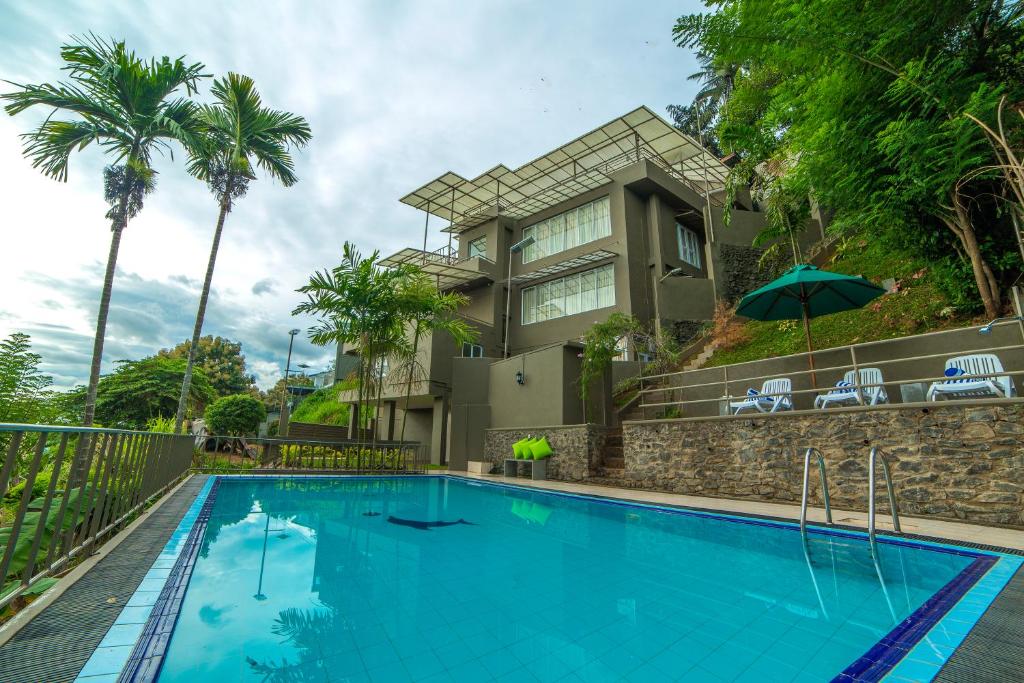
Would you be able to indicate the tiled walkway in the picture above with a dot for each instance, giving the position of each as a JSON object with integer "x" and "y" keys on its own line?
{"x": 56, "y": 644}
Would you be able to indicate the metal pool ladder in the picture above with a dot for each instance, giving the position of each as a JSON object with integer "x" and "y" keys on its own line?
{"x": 824, "y": 487}
{"x": 875, "y": 455}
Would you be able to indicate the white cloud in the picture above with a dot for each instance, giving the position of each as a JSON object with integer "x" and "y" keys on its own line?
{"x": 396, "y": 94}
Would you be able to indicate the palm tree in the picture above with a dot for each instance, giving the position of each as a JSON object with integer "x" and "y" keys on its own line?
{"x": 427, "y": 311}
{"x": 122, "y": 104}
{"x": 357, "y": 304}
{"x": 238, "y": 131}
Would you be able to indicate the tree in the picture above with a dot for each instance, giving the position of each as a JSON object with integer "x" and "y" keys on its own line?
{"x": 140, "y": 390}
{"x": 272, "y": 397}
{"x": 239, "y": 134}
{"x": 867, "y": 108}
{"x": 25, "y": 396}
{"x": 123, "y": 104}
{"x": 357, "y": 303}
{"x": 222, "y": 361}
{"x": 425, "y": 311}
{"x": 236, "y": 415}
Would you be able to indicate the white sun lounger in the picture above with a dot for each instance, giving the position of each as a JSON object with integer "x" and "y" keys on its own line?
{"x": 988, "y": 382}
{"x": 870, "y": 392}
{"x": 775, "y": 395}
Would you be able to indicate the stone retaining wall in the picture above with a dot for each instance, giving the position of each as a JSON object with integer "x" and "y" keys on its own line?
{"x": 577, "y": 449}
{"x": 961, "y": 461}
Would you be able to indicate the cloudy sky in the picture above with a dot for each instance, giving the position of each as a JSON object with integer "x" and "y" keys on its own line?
{"x": 396, "y": 93}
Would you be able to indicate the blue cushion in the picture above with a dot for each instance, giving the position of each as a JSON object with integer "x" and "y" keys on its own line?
{"x": 953, "y": 372}
{"x": 753, "y": 392}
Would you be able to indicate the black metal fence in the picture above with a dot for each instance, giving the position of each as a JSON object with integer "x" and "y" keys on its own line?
{"x": 353, "y": 456}
{"x": 64, "y": 489}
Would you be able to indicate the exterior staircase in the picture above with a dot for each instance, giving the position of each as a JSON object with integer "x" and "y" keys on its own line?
{"x": 613, "y": 464}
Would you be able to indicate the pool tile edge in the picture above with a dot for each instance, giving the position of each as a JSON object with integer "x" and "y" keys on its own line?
{"x": 109, "y": 659}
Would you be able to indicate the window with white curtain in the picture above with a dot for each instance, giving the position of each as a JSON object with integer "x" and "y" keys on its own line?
{"x": 478, "y": 247}
{"x": 568, "y": 230}
{"x": 689, "y": 245}
{"x": 570, "y": 295}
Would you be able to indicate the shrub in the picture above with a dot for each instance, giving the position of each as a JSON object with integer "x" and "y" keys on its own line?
{"x": 236, "y": 415}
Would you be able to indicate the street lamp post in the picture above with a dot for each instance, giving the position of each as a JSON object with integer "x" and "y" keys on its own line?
{"x": 514, "y": 249}
{"x": 282, "y": 420}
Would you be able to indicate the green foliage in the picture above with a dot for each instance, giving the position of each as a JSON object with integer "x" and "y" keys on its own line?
{"x": 599, "y": 347}
{"x": 273, "y": 396}
{"x": 866, "y": 108}
{"x": 144, "y": 389}
{"x": 161, "y": 425}
{"x": 377, "y": 309}
{"x": 919, "y": 305}
{"x": 323, "y": 406}
{"x": 236, "y": 415}
{"x": 24, "y": 390}
{"x": 221, "y": 360}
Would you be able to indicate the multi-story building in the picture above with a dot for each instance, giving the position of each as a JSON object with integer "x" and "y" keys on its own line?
{"x": 628, "y": 217}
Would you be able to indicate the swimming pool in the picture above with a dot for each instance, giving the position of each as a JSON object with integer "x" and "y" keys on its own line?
{"x": 441, "y": 579}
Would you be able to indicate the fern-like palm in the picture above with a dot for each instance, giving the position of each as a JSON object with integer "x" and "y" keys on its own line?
{"x": 126, "y": 106}
{"x": 239, "y": 135}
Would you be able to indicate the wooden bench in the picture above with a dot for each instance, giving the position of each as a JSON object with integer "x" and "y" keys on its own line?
{"x": 538, "y": 468}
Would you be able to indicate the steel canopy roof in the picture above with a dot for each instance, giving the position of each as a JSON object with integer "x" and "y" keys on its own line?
{"x": 570, "y": 170}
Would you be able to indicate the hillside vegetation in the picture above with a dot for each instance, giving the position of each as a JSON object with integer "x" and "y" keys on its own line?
{"x": 917, "y": 305}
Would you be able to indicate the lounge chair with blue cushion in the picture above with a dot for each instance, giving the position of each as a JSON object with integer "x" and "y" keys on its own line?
{"x": 988, "y": 382}
{"x": 775, "y": 395}
{"x": 870, "y": 392}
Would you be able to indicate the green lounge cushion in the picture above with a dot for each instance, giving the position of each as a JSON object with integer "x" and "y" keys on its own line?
{"x": 541, "y": 448}
{"x": 522, "y": 450}
{"x": 517, "y": 449}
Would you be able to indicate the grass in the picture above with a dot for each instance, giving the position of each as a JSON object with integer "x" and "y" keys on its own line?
{"x": 917, "y": 306}
{"x": 323, "y": 407}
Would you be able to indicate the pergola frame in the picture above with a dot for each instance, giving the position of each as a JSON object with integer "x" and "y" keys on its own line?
{"x": 577, "y": 167}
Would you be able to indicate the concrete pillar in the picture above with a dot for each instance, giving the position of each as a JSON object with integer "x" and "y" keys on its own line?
{"x": 439, "y": 431}
{"x": 353, "y": 421}
{"x": 390, "y": 408}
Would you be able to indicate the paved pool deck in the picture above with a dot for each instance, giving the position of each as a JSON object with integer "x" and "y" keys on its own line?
{"x": 67, "y": 624}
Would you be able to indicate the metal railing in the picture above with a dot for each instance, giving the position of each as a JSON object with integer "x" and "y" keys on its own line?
{"x": 64, "y": 489}
{"x": 875, "y": 455}
{"x": 662, "y": 384}
{"x": 806, "y": 487}
{"x": 353, "y": 456}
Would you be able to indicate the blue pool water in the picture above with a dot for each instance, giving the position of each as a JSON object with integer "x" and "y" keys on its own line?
{"x": 437, "y": 579}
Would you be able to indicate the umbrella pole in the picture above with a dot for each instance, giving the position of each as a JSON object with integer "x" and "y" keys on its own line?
{"x": 810, "y": 348}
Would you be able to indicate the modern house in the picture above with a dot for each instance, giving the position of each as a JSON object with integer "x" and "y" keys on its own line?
{"x": 629, "y": 217}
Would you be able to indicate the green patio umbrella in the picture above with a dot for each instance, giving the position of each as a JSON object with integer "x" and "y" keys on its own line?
{"x": 805, "y": 292}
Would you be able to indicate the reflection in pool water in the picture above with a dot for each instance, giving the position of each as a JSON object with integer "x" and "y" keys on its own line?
{"x": 296, "y": 582}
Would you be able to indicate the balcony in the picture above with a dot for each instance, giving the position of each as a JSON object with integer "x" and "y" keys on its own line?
{"x": 444, "y": 264}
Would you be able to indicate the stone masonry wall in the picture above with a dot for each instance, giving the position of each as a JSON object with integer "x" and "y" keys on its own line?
{"x": 577, "y": 449}
{"x": 955, "y": 461}
{"x": 742, "y": 270}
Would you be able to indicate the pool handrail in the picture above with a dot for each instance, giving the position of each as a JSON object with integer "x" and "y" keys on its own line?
{"x": 806, "y": 486}
{"x": 876, "y": 454}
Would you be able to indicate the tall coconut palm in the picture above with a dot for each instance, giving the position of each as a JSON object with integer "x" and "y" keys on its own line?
{"x": 124, "y": 105}
{"x": 239, "y": 134}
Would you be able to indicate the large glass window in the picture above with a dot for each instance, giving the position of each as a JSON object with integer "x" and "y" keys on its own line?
{"x": 689, "y": 245}
{"x": 570, "y": 295}
{"x": 478, "y": 247}
{"x": 569, "y": 229}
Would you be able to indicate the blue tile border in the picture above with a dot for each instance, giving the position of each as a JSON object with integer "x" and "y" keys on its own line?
{"x": 915, "y": 649}
{"x": 148, "y": 654}
{"x": 109, "y": 659}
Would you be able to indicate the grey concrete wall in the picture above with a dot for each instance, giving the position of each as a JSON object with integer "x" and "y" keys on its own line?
{"x": 957, "y": 461}
{"x": 470, "y": 410}
{"x": 898, "y": 359}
